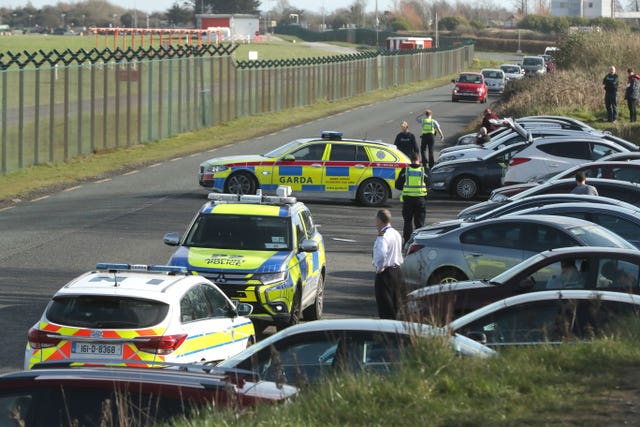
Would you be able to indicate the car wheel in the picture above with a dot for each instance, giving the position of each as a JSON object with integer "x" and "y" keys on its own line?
{"x": 294, "y": 317}
{"x": 314, "y": 311}
{"x": 372, "y": 192}
{"x": 466, "y": 187}
{"x": 446, "y": 275}
{"x": 240, "y": 183}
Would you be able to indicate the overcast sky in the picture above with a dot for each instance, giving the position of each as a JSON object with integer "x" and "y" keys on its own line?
{"x": 162, "y": 5}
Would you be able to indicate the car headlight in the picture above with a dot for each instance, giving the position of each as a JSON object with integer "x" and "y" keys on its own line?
{"x": 270, "y": 278}
{"x": 480, "y": 90}
{"x": 215, "y": 168}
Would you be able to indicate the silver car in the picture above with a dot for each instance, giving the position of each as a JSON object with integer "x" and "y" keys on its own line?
{"x": 495, "y": 79}
{"x": 512, "y": 71}
{"x": 481, "y": 250}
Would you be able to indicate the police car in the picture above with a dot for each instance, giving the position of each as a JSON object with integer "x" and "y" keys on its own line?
{"x": 328, "y": 166}
{"x": 121, "y": 312}
{"x": 261, "y": 250}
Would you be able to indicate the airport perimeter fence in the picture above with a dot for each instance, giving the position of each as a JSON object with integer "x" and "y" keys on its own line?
{"x": 93, "y": 103}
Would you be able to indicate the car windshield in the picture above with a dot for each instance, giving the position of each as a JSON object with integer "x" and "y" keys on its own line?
{"x": 470, "y": 78}
{"x": 281, "y": 151}
{"x": 532, "y": 61}
{"x": 511, "y": 70}
{"x": 593, "y": 235}
{"x": 106, "y": 312}
{"x": 245, "y": 232}
{"x": 492, "y": 74}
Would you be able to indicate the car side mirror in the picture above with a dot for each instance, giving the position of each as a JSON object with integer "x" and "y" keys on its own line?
{"x": 171, "y": 239}
{"x": 309, "y": 245}
{"x": 477, "y": 336}
{"x": 243, "y": 309}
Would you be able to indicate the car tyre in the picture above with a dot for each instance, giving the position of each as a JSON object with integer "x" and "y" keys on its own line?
{"x": 372, "y": 192}
{"x": 466, "y": 187}
{"x": 314, "y": 311}
{"x": 294, "y": 317}
{"x": 446, "y": 275}
{"x": 454, "y": 100}
{"x": 240, "y": 183}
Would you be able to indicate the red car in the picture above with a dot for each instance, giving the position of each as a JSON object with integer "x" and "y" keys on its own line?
{"x": 469, "y": 87}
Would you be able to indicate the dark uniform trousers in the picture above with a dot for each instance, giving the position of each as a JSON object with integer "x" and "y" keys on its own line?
{"x": 427, "y": 142}
{"x": 390, "y": 292}
{"x": 414, "y": 213}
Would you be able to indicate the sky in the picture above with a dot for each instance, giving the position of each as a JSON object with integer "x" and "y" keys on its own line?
{"x": 162, "y": 5}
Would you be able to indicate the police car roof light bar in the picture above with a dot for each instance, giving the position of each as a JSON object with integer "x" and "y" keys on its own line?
{"x": 331, "y": 134}
{"x": 283, "y": 196}
{"x": 141, "y": 268}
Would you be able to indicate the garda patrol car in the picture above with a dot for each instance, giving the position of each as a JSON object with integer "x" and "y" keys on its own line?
{"x": 120, "y": 313}
{"x": 262, "y": 250}
{"x": 327, "y": 167}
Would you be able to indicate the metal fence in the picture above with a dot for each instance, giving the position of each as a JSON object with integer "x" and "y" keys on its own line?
{"x": 53, "y": 114}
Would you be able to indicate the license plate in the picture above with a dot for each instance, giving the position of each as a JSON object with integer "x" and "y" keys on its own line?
{"x": 97, "y": 350}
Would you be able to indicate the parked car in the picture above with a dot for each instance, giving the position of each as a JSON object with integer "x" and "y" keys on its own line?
{"x": 480, "y": 250}
{"x": 469, "y": 86}
{"x": 512, "y": 71}
{"x": 122, "y": 313}
{"x": 619, "y": 157}
{"x": 308, "y": 352}
{"x": 261, "y": 250}
{"x": 495, "y": 79}
{"x": 620, "y": 190}
{"x": 329, "y": 166}
{"x": 598, "y": 268}
{"x": 550, "y": 155}
{"x": 622, "y": 171}
{"x": 533, "y": 66}
{"x": 549, "y": 318}
{"x": 468, "y": 177}
{"x": 105, "y": 396}
{"x": 549, "y": 63}
{"x": 623, "y": 221}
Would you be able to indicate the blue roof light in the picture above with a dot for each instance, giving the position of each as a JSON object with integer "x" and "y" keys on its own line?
{"x": 331, "y": 134}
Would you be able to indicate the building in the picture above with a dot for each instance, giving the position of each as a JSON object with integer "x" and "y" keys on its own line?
{"x": 231, "y": 27}
{"x": 409, "y": 43}
{"x": 583, "y": 8}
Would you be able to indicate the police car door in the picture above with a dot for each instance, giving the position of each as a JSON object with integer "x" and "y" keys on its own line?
{"x": 346, "y": 165}
{"x": 302, "y": 169}
{"x": 304, "y": 268}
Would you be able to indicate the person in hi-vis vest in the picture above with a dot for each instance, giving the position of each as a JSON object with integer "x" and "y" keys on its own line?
{"x": 429, "y": 128}
{"x": 413, "y": 181}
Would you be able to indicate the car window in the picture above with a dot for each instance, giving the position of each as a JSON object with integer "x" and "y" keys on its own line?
{"x": 569, "y": 149}
{"x": 622, "y": 227}
{"x": 600, "y": 150}
{"x": 631, "y": 174}
{"x": 100, "y": 311}
{"x": 361, "y": 154}
{"x": 219, "y": 305}
{"x": 568, "y": 273}
{"x": 194, "y": 306}
{"x": 615, "y": 274}
{"x": 246, "y": 232}
{"x": 311, "y": 152}
{"x": 504, "y": 235}
{"x": 342, "y": 152}
{"x": 307, "y": 220}
{"x": 533, "y": 322}
{"x": 544, "y": 237}
{"x": 594, "y": 235}
{"x": 596, "y": 317}
{"x": 301, "y": 234}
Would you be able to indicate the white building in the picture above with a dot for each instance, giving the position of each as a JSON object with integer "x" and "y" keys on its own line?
{"x": 583, "y": 8}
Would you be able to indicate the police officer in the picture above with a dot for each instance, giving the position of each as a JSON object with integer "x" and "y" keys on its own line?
{"x": 387, "y": 258}
{"x": 429, "y": 129}
{"x": 413, "y": 182}
{"x": 406, "y": 141}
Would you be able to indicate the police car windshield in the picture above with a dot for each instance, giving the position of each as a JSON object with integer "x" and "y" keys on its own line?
{"x": 281, "y": 151}
{"x": 102, "y": 311}
{"x": 240, "y": 232}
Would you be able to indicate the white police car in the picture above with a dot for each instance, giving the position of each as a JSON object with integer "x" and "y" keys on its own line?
{"x": 121, "y": 312}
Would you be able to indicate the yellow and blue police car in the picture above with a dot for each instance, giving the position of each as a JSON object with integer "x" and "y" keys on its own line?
{"x": 261, "y": 250}
{"x": 329, "y": 166}
{"x": 123, "y": 313}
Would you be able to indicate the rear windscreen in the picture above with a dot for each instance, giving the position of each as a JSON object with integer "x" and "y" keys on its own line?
{"x": 102, "y": 312}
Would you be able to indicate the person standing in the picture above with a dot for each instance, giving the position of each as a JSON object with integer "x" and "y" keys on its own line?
{"x": 582, "y": 187}
{"x": 406, "y": 141}
{"x": 387, "y": 258}
{"x": 412, "y": 180}
{"x": 610, "y": 84}
{"x": 427, "y": 141}
{"x": 631, "y": 93}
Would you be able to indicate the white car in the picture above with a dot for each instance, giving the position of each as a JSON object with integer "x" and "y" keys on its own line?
{"x": 494, "y": 79}
{"x": 550, "y": 155}
{"x": 120, "y": 313}
{"x": 512, "y": 71}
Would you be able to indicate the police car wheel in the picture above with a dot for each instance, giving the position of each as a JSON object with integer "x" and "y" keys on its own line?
{"x": 372, "y": 192}
{"x": 314, "y": 311}
{"x": 240, "y": 183}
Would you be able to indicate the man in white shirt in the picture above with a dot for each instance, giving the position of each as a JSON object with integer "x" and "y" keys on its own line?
{"x": 387, "y": 258}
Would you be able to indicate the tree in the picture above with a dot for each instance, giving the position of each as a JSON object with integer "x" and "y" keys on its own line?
{"x": 179, "y": 16}
{"x": 227, "y": 6}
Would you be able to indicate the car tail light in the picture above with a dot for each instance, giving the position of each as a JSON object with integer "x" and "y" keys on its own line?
{"x": 518, "y": 161}
{"x": 165, "y": 344}
{"x": 43, "y": 339}
{"x": 414, "y": 247}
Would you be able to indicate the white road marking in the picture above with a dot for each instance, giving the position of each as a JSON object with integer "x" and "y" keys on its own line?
{"x": 343, "y": 240}
{"x": 72, "y": 188}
